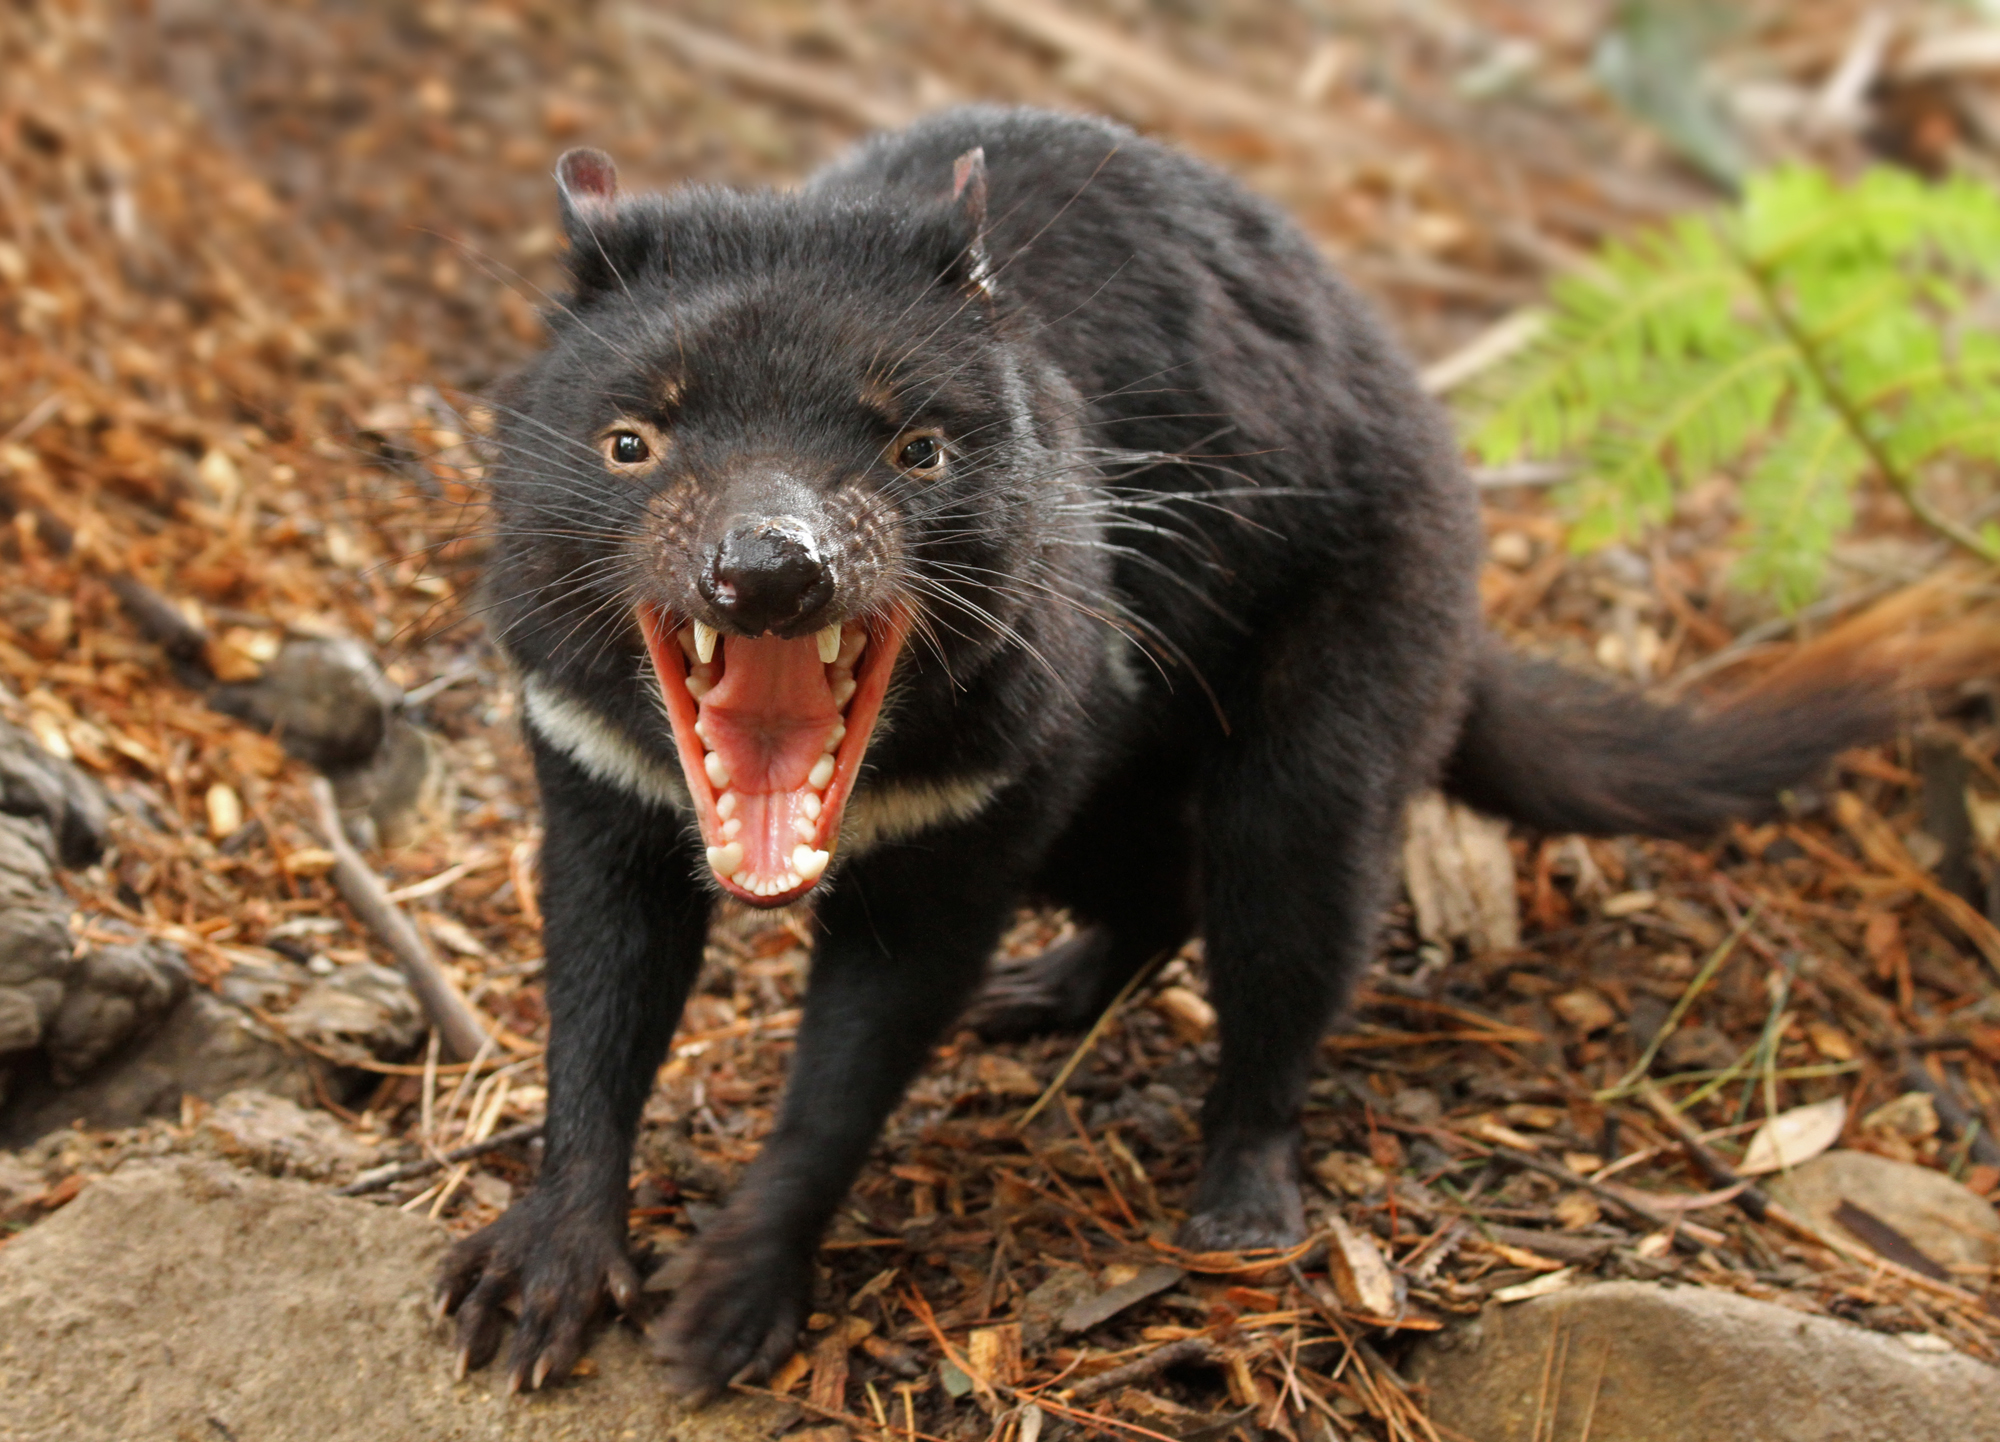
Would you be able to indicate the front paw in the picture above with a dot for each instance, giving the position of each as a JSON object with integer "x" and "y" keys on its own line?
{"x": 1050, "y": 993}
{"x": 556, "y": 1265}
{"x": 736, "y": 1312}
{"x": 1247, "y": 1199}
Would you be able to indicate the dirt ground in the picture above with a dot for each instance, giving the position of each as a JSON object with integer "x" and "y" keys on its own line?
{"x": 257, "y": 264}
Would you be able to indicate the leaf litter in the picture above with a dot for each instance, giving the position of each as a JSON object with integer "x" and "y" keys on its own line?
{"x": 257, "y": 265}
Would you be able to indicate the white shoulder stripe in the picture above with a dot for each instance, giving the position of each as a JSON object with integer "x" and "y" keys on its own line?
{"x": 601, "y": 748}
{"x": 891, "y": 810}
{"x": 882, "y": 812}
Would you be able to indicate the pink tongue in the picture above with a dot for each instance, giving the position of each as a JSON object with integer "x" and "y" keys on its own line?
{"x": 768, "y": 719}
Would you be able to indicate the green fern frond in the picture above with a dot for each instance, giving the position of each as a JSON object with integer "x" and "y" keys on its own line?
{"x": 1814, "y": 334}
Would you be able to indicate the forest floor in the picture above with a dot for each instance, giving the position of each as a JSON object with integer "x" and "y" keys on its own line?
{"x": 257, "y": 264}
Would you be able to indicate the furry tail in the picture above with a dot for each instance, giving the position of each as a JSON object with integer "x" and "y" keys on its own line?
{"x": 1560, "y": 752}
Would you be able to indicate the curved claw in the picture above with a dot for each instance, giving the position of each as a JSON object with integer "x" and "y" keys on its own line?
{"x": 737, "y": 1317}
{"x": 556, "y": 1272}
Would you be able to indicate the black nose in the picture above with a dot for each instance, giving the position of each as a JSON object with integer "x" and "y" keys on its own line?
{"x": 765, "y": 575}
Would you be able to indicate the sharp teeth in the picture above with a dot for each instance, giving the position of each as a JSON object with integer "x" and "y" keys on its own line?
{"x": 817, "y": 778}
{"x": 718, "y": 772}
{"x": 853, "y": 639}
{"x": 732, "y": 828}
{"x": 699, "y": 685}
{"x": 704, "y": 642}
{"x": 808, "y": 862}
{"x": 833, "y": 737}
{"x": 726, "y": 860}
{"x": 827, "y": 638}
{"x": 810, "y": 806}
{"x": 802, "y": 827}
{"x": 843, "y": 690}
{"x": 727, "y": 803}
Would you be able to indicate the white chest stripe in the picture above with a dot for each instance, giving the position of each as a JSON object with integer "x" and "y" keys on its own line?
{"x": 878, "y": 813}
{"x": 896, "y": 809}
{"x": 601, "y": 748}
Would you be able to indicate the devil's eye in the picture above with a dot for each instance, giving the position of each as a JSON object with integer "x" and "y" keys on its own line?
{"x": 629, "y": 448}
{"x": 920, "y": 453}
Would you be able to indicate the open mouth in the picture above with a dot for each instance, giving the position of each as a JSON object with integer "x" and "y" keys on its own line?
{"x": 771, "y": 735}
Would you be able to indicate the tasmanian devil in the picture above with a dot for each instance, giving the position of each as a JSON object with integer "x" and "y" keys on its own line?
{"x": 1019, "y": 509}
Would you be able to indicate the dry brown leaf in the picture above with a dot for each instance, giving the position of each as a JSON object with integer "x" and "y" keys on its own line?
{"x": 1794, "y": 1136}
{"x": 1358, "y": 1271}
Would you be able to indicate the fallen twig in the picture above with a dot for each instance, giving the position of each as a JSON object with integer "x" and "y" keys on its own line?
{"x": 457, "y": 1023}
{"x": 1170, "y": 1354}
{"x": 380, "y": 1178}
{"x": 1686, "y": 1235}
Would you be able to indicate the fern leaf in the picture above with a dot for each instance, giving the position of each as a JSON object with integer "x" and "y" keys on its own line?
{"x": 1796, "y": 501}
{"x": 1685, "y": 422}
{"x": 1662, "y": 297}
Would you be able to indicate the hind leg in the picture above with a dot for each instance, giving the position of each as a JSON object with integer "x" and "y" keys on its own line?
{"x": 1300, "y": 812}
{"x": 1125, "y": 869}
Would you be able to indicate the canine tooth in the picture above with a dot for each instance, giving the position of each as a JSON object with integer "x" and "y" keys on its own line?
{"x": 732, "y": 828}
{"x": 810, "y": 806}
{"x": 827, "y": 638}
{"x": 803, "y": 828}
{"x": 833, "y": 737}
{"x": 717, "y": 769}
{"x": 704, "y": 642}
{"x": 686, "y": 637}
{"x": 808, "y": 863}
{"x": 726, "y": 861}
{"x": 843, "y": 689}
{"x": 821, "y": 773}
{"x": 853, "y": 639}
{"x": 727, "y": 804}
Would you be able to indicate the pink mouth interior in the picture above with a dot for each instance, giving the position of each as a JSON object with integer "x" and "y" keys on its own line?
{"x": 771, "y": 739}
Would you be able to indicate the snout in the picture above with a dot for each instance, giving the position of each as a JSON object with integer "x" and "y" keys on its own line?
{"x": 767, "y": 573}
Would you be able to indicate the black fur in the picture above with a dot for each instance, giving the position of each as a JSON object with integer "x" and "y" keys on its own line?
{"x": 1198, "y": 610}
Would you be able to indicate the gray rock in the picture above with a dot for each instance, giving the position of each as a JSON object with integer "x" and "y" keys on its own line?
{"x": 361, "y": 1011}
{"x": 20, "y": 1019}
{"x": 27, "y": 861}
{"x": 1953, "y": 1225}
{"x": 1647, "y": 1363}
{"x": 323, "y": 697}
{"x": 277, "y": 1136}
{"x": 186, "y": 1299}
{"x": 405, "y": 783}
{"x": 204, "y": 1047}
{"x": 18, "y": 1181}
{"x": 114, "y": 1032}
{"x": 111, "y": 994}
{"x": 35, "y": 786}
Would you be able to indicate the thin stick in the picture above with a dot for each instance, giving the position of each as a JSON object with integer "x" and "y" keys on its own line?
{"x": 381, "y": 1178}
{"x": 1171, "y": 1354}
{"x": 457, "y": 1023}
{"x": 1090, "y": 1037}
{"x": 1694, "y": 989}
{"x": 1097, "y": 1160}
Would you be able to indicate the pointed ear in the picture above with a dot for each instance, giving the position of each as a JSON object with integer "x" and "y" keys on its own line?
{"x": 968, "y": 188}
{"x": 587, "y": 189}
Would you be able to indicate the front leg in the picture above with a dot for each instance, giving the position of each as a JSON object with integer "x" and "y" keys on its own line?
{"x": 623, "y": 929}
{"x": 904, "y": 940}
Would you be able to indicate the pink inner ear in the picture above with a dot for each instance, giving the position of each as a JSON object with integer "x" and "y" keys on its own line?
{"x": 587, "y": 176}
{"x": 968, "y": 165}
